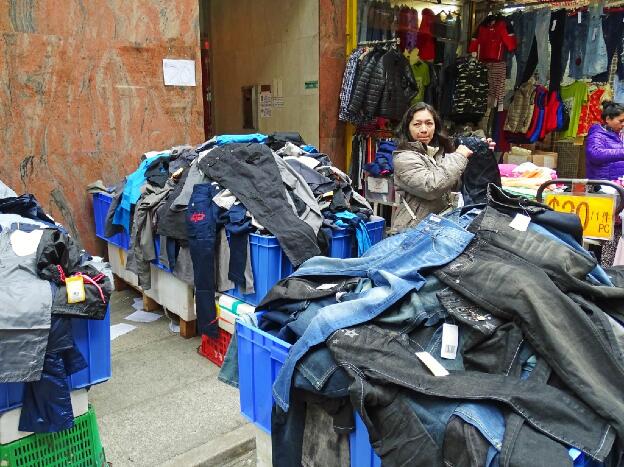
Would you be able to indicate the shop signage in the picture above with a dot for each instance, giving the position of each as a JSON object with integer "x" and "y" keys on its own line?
{"x": 596, "y": 212}
{"x": 311, "y": 84}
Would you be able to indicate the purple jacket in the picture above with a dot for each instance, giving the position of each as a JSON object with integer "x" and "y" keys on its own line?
{"x": 604, "y": 154}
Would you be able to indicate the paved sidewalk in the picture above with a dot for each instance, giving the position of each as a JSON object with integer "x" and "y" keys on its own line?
{"x": 164, "y": 404}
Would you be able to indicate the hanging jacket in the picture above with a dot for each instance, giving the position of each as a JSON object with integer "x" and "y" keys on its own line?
{"x": 424, "y": 183}
{"x": 493, "y": 39}
{"x": 58, "y": 256}
{"x": 521, "y": 108}
{"x": 399, "y": 86}
{"x": 425, "y": 40}
{"x": 362, "y": 88}
{"x": 470, "y": 95}
{"x": 604, "y": 154}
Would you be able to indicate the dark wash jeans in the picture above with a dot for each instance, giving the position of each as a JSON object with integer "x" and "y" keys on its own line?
{"x": 555, "y": 325}
{"x": 383, "y": 366}
{"x": 251, "y": 173}
{"x": 201, "y": 221}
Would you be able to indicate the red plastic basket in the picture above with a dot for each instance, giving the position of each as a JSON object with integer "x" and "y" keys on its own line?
{"x": 214, "y": 349}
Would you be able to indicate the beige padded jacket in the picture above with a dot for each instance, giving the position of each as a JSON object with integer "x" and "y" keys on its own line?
{"x": 424, "y": 183}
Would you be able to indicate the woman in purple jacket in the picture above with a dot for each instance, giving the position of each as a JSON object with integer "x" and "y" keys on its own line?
{"x": 605, "y": 148}
{"x": 605, "y": 161}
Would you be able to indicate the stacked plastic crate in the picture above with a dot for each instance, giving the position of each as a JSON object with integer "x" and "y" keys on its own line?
{"x": 78, "y": 446}
{"x": 270, "y": 264}
{"x": 167, "y": 290}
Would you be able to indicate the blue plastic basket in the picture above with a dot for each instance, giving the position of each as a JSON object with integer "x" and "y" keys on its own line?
{"x": 269, "y": 263}
{"x": 92, "y": 337}
{"x": 260, "y": 358}
{"x": 101, "y": 204}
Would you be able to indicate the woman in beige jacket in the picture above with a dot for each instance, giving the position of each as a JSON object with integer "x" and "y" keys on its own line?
{"x": 426, "y": 166}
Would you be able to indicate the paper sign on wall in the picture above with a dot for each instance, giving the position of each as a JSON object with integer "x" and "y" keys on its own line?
{"x": 266, "y": 102}
{"x": 179, "y": 72}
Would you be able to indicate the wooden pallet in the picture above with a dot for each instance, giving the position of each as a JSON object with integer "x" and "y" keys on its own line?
{"x": 188, "y": 329}
{"x": 167, "y": 291}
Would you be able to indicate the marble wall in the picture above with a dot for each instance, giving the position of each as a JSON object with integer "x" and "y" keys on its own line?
{"x": 82, "y": 95}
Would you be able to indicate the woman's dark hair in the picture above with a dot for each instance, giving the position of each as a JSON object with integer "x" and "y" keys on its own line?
{"x": 611, "y": 109}
{"x": 440, "y": 138}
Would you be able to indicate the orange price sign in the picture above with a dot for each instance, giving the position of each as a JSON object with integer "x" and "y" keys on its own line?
{"x": 596, "y": 212}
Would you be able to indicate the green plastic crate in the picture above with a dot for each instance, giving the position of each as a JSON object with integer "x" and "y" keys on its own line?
{"x": 79, "y": 446}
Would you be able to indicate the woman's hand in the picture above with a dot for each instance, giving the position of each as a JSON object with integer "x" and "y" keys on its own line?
{"x": 491, "y": 143}
{"x": 464, "y": 151}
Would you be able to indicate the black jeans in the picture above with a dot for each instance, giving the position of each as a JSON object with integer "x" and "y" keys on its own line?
{"x": 613, "y": 30}
{"x": 556, "y": 36}
{"x": 385, "y": 372}
{"x": 251, "y": 173}
{"x": 482, "y": 169}
{"x": 523, "y": 282}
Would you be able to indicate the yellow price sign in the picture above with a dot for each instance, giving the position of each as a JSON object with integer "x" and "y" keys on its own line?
{"x": 595, "y": 211}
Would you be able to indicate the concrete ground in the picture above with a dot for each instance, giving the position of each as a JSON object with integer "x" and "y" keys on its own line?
{"x": 164, "y": 404}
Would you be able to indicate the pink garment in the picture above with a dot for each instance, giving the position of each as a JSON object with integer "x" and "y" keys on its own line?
{"x": 506, "y": 170}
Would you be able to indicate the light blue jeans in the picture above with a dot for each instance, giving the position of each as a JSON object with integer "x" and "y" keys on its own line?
{"x": 393, "y": 266}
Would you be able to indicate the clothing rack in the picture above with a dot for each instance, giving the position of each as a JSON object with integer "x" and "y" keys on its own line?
{"x": 396, "y": 41}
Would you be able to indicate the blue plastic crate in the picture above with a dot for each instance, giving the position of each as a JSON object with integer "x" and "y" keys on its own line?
{"x": 362, "y": 453}
{"x": 92, "y": 337}
{"x": 270, "y": 264}
{"x": 101, "y": 204}
{"x": 260, "y": 358}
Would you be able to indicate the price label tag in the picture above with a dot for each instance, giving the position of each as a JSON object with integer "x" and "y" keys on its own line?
{"x": 75, "y": 289}
{"x": 596, "y": 212}
{"x": 450, "y": 339}
{"x": 434, "y": 366}
{"x": 520, "y": 222}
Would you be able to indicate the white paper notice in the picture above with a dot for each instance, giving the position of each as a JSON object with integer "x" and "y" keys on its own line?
{"x": 179, "y": 72}
{"x": 120, "y": 329}
{"x": 265, "y": 104}
{"x": 378, "y": 185}
{"x": 141, "y": 316}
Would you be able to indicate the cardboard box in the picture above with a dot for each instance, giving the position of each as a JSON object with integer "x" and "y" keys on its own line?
{"x": 517, "y": 159}
{"x": 545, "y": 159}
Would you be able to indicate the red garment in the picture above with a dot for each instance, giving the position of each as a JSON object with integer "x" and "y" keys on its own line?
{"x": 426, "y": 41}
{"x": 492, "y": 40}
{"x": 591, "y": 112}
{"x": 550, "y": 115}
{"x": 536, "y": 112}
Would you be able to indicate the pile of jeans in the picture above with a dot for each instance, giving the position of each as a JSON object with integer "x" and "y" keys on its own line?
{"x": 199, "y": 205}
{"x": 36, "y": 342}
{"x": 486, "y": 337}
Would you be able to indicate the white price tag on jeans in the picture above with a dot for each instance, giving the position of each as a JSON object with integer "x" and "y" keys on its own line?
{"x": 554, "y": 25}
{"x": 579, "y": 17}
{"x": 450, "y": 341}
{"x": 594, "y": 34}
{"x": 520, "y": 222}
{"x": 434, "y": 366}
